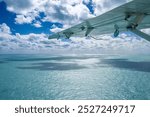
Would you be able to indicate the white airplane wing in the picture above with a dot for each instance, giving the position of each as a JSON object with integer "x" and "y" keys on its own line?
{"x": 131, "y": 16}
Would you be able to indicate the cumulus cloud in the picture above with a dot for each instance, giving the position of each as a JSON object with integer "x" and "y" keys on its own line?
{"x": 26, "y": 11}
{"x": 66, "y": 12}
{"x": 56, "y": 29}
{"x": 5, "y": 32}
{"x": 63, "y": 11}
{"x": 86, "y": 1}
{"x": 147, "y": 31}
{"x": 37, "y": 24}
{"x": 21, "y": 6}
{"x": 4, "y": 28}
{"x": 40, "y": 43}
{"x": 101, "y": 6}
{"x": 20, "y": 19}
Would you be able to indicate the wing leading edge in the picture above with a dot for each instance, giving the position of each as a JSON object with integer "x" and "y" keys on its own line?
{"x": 131, "y": 16}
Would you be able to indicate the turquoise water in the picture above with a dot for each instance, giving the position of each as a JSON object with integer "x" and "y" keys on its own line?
{"x": 74, "y": 77}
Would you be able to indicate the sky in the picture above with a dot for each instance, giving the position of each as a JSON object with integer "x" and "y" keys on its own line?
{"x": 26, "y": 24}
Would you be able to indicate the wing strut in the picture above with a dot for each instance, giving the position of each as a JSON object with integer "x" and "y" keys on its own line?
{"x": 89, "y": 28}
{"x": 132, "y": 26}
{"x": 141, "y": 34}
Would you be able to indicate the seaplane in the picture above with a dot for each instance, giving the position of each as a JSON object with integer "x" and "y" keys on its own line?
{"x": 132, "y": 16}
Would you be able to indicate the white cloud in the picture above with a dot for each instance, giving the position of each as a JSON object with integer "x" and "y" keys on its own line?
{"x": 20, "y": 19}
{"x": 63, "y": 11}
{"x": 23, "y": 6}
{"x": 86, "y": 1}
{"x": 56, "y": 29}
{"x": 147, "y": 31}
{"x": 4, "y": 28}
{"x": 27, "y": 11}
{"x": 102, "y": 6}
{"x": 5, "y": 33}
{"x": 37, "y": 24}
{"x": 40, "y": 43}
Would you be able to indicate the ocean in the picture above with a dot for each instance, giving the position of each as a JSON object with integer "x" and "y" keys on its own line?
{"x": 74, "y": 77}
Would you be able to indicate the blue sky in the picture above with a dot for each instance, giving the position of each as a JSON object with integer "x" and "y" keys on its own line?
{"x": 25, "y": 26}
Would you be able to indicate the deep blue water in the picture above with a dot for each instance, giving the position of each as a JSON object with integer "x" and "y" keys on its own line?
{"x": 75, "y": 77}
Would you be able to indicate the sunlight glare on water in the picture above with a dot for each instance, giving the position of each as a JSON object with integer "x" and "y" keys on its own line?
{"x": 74, "y": 77}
